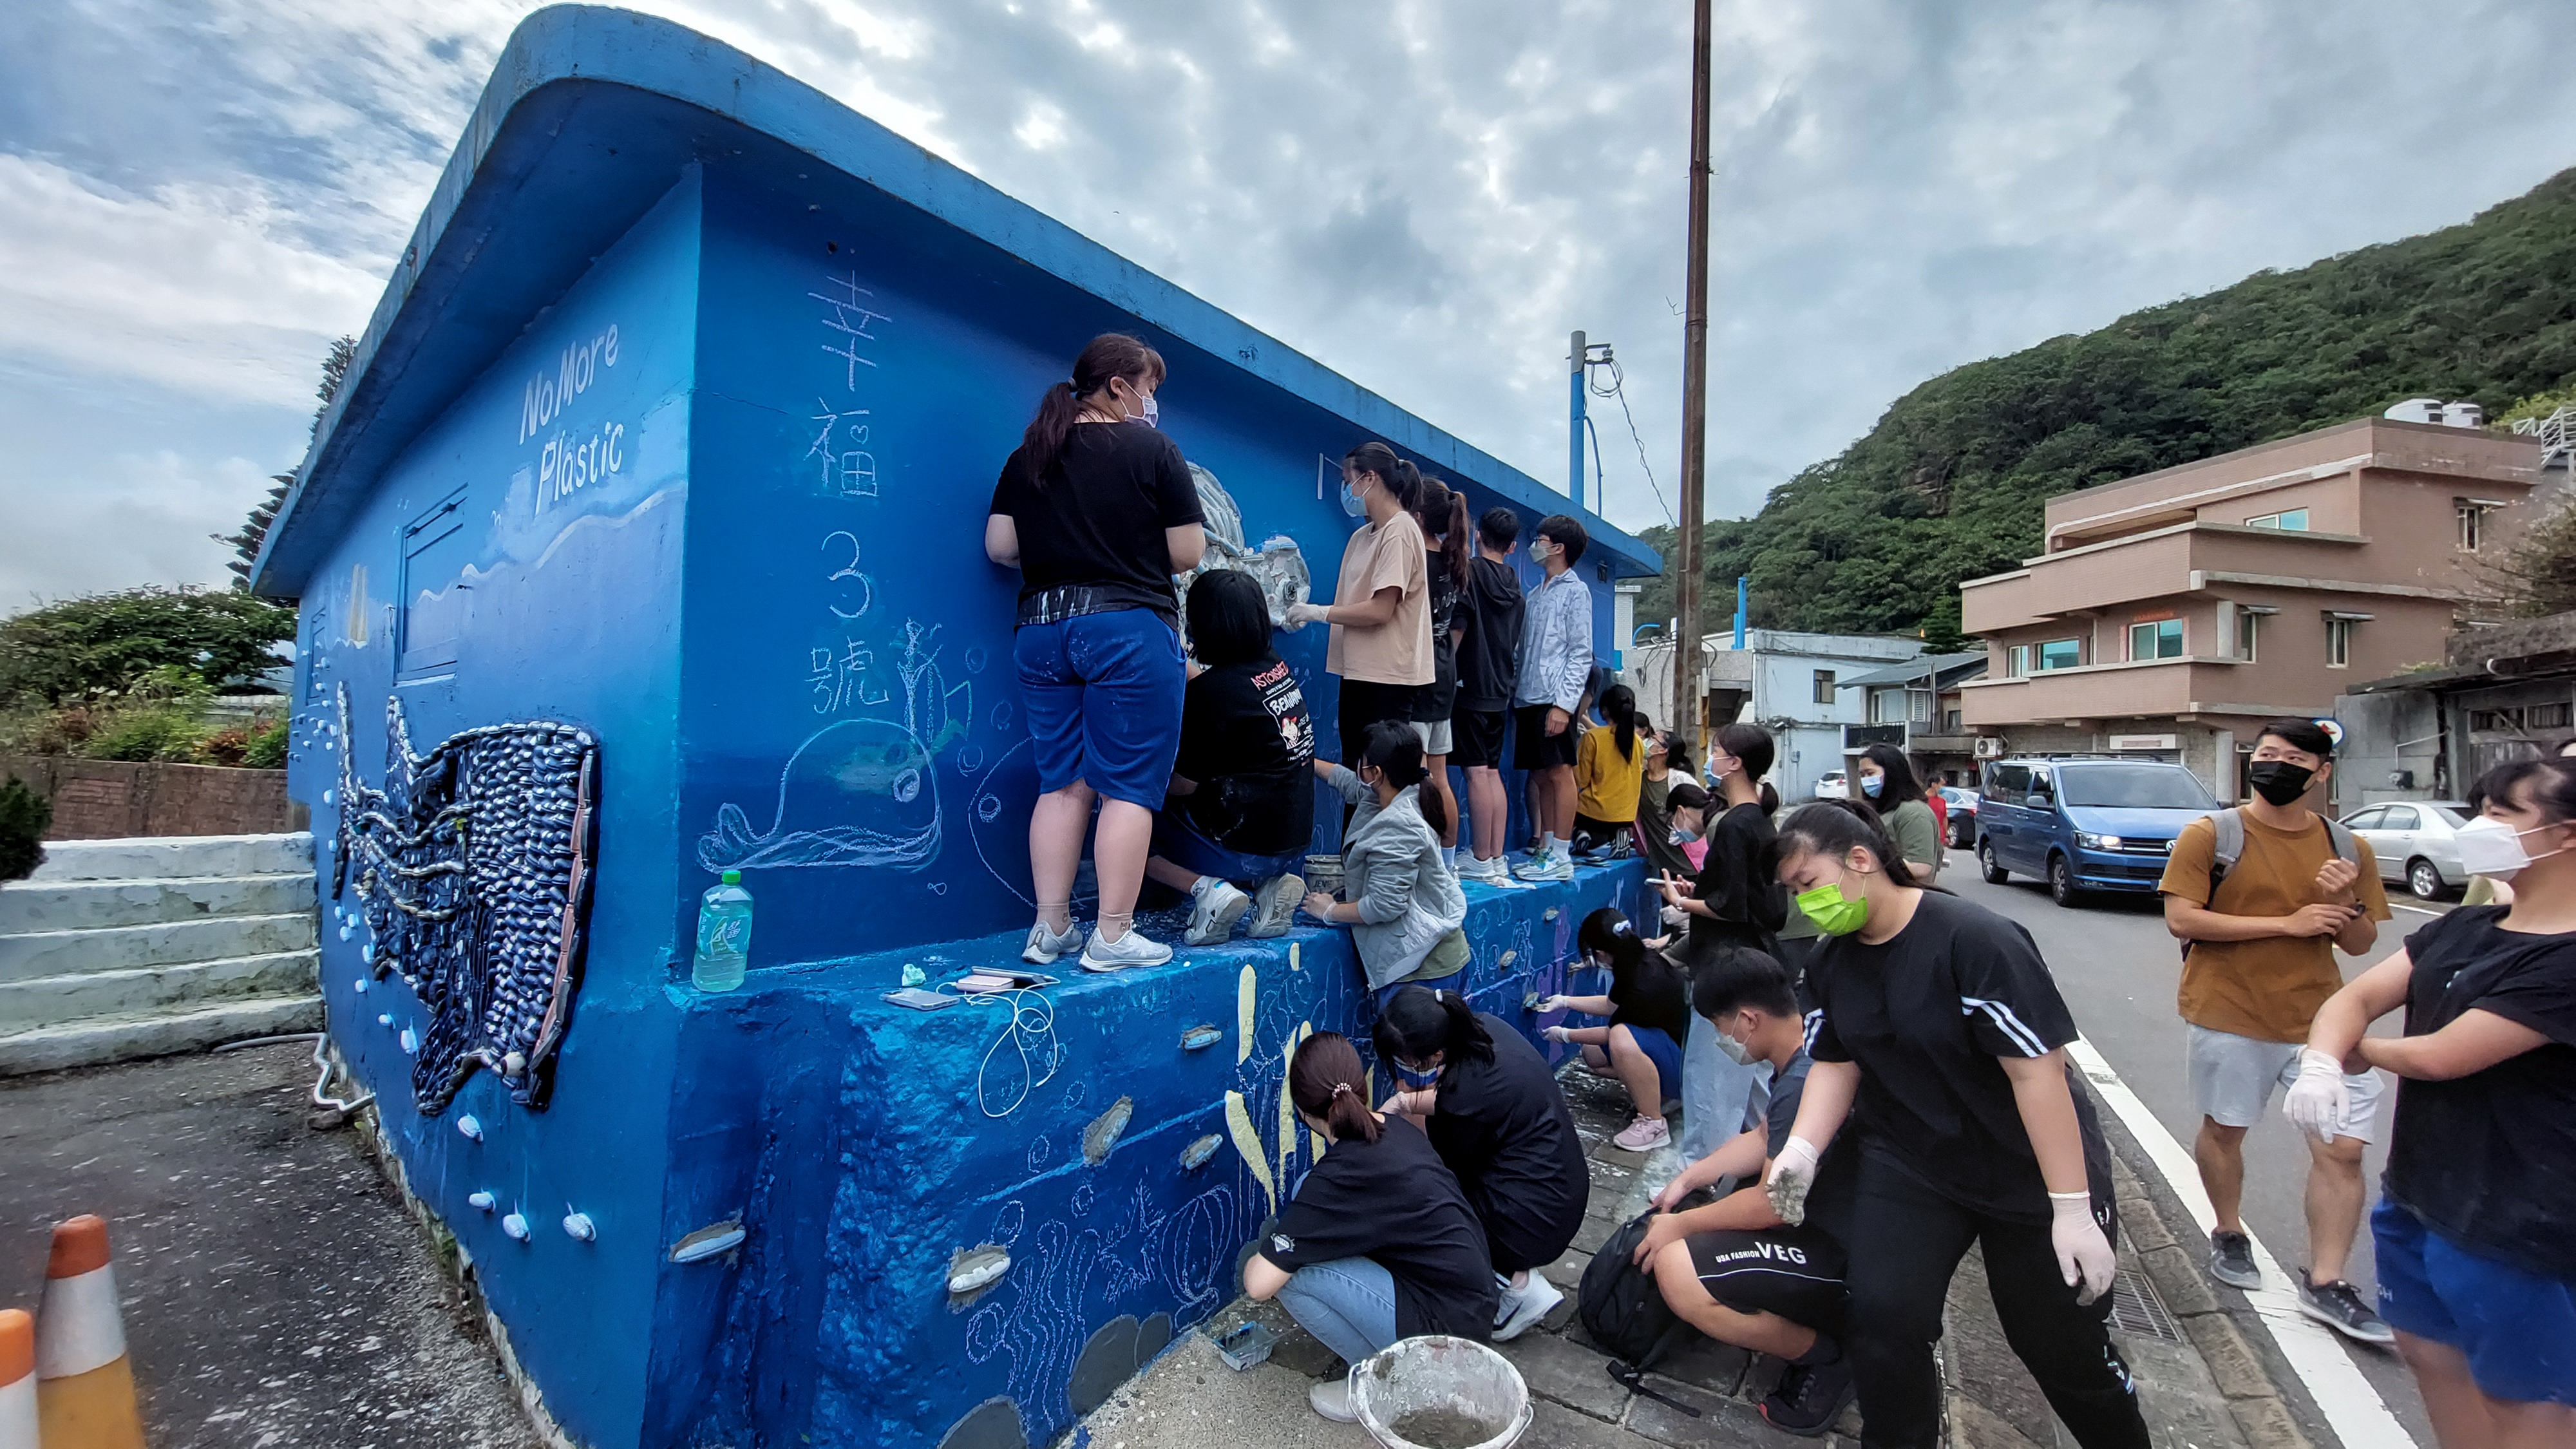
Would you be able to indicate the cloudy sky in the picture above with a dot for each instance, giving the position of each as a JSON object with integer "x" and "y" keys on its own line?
{"x": 196, "y": 195}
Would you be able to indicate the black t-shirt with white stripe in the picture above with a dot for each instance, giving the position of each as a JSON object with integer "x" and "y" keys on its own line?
{"x": 1927, "y": 1014}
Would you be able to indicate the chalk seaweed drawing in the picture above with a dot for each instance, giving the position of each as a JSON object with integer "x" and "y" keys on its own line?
{"x": 472, "y": 868}
{"x": 1279, "y": 566}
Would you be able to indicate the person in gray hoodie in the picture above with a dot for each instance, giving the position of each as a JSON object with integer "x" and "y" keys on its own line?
{"x": 1405, "y": 905}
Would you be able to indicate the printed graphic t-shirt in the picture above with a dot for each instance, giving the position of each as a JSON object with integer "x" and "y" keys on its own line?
{"x": 1490, "y": 607}
{"x": 1441, "y": 698}
{"x": 2270, "y": 989}
{"x": 1099, "y": 517}
{"x": 1247, "y": 742}
{"x": 2489, "y": 1159}
{"x": 1395, "y": 1202}
{"x": 1385, "y": 555}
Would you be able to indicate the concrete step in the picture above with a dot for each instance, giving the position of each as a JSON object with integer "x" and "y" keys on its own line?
{"x": 88, "y": 904}
{"x": 64, "y": 1000}
{"x": 126, "y": 1038}
{"x": 30, "y": 954}
{"x": 146, "y": 857}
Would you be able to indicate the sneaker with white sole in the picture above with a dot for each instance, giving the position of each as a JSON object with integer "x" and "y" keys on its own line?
{"x": 1044, "y": 946}
{"x": 1332, "y": 1399}
{"x": 1644, "y": 1135}
{"x": 1132, "y": 949}
{"x": 2339, "y": 1306}
{"x": 1215, "y": 907}
{"x": 1274, "y": 907}
{"x": 1523, "y": 1310}
{"x": 1553, "y": 866}
{"x": 2231, "y": 1260}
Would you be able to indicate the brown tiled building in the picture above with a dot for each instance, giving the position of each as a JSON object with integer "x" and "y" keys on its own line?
{"x": 2172, "y": 613}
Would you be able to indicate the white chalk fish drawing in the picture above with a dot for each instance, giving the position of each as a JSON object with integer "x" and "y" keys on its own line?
{"x": 858, "y": 793}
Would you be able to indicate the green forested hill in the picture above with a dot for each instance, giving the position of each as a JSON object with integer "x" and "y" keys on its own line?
{"x": 1949, "y": 483}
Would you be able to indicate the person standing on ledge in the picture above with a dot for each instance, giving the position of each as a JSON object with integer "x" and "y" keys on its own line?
{"x": 1096, "y": 510}
{"x": 1489, "y": 620}
{"x": 1381, "y": 610}
{"x": 2259, "y": 935}
{"x": 1556, "y": 665}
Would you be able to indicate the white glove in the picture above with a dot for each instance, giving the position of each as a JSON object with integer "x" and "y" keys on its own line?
{"x": 1547, "y": 1004}
{"x": 1793, "y": 1172}
{"x": 1556, "y": 1033}
{"x": 2318, "y": 1100}
{"x": 1301, "y": 615}
{"x": 2084, "y": 1256}
{"x": 1676, "y": 916}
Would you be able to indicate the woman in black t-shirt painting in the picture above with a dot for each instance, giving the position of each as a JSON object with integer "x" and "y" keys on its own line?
{"x": 1379, "y": 1243}
{"x": 1940, "y": 1034}
{"x": 1648, "y": 1007}
{"x": 1242, "y": 803}
{"x": 1097, "y": 511}
{"x": 2475, "y": 1233}
{"x": 1497, "y": 1117}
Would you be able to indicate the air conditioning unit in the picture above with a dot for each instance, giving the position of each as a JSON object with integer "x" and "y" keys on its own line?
{"x": 1990, "y": 747}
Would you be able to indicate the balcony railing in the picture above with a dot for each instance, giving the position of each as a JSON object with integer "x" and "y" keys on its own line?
{"x": 2113, "y": 691}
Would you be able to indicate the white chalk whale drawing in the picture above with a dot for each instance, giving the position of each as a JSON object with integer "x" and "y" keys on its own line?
{"x": 860, "y": 792}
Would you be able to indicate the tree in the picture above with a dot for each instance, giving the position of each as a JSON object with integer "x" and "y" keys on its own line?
{"x": 109, "y": 643}
{"x": 1941, "y": 633}
{"x": 254, "y": 530}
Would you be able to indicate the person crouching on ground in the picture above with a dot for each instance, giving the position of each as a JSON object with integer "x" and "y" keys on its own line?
{"x": 1497, "y": 1117}
{"x": 1405, "y": 906}
{"x": 1609, "y": 769}
{"x": 1649, "y": 1016}
{"x": 1379, "y": 1243}
{"x": 1732, "y": 1269}
{"x": 2476, "y": 1224}
{"x": 1242, "y": 803}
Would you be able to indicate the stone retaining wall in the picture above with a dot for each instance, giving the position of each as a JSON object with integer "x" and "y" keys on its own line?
{"x": 105, "y": 799}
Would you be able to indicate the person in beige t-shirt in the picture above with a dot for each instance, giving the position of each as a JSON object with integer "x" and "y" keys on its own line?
{"x": 1381, "y": 609}
{"x": 2259, "y": 962}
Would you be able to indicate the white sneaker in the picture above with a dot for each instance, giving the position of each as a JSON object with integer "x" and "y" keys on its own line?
{"x": 1045, "y": 945}
{"x": 1332, "y": 1399}
{"x": 1216, "y": 906}
{"x": 1525, "y": 1308}
{"x": 1480, "y": 871}
{"x": 1132, "y": 949}
{"x": 1553, "y": 866}
{"x": 1275, "y": 907}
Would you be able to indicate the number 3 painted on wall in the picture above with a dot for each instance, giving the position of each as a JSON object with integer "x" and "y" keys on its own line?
{"x": 864, "y": 587}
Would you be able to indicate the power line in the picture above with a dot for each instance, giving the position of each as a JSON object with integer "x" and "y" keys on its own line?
{"x": 1619, "y": 389}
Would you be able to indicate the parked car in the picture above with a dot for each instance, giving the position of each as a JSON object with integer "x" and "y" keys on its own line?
{"x": 1963, "y": 815}
{"x": 1833, "y": 785}
{"x": 2084, "y": 823}
{"x": 2415, "y": 841}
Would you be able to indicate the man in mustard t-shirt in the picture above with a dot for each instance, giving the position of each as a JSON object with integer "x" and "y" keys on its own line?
{"x": 2259, "y": 962}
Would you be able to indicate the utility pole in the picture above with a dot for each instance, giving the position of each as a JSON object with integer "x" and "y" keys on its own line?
{"x": 1687, "y": 697}
{"x": 1574, "y": 433}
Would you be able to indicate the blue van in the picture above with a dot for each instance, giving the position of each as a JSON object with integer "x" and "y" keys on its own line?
{"x": 2084, "y": 823}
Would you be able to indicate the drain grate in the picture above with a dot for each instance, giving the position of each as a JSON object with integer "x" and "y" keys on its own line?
{"x": 2136, "y": 1309}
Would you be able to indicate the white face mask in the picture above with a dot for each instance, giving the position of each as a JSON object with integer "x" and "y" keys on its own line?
{"x": 2489, "y": 847}
{"x": 1538, "y": 550}
{"x": 1145, "y": 411}
{"x": 1736, "y": 1051}
{"x": 1351, "y": 503}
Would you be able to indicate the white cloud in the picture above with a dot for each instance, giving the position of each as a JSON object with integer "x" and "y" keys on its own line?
{"x": 126, "y": 518}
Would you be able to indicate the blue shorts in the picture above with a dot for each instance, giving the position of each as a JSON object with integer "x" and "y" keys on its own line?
{"x": 2517, "y": 1329}
{"x": 1666, "y": 1054}
{"x": 1180, "y": 841}
{"x": 1103, "y": 697}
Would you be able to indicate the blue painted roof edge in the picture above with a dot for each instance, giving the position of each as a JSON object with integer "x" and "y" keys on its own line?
{"x": 602, "y": 45}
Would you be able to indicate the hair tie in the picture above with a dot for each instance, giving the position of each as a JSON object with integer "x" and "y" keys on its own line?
{"x": 1439, "y": 995}
{"x": 1624, "y": 928}
{"x": 1341, "y": 1088}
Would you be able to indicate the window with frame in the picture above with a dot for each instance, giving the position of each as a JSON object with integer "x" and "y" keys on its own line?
{"x": 2294, "y": 520}
{"x": 2496, "y": 721}
{"x": 2017, "y": 661}
{"x": 1918, "y": 707}
{"x": 2471, "y": 517}
{"x": 2060, "y": 653}
{"x": 2339, "y": 643}
{"x": 2557, "y": 716}
{"x": 2249, "y": 634}
{"x": 2156, "y": 639}
{"x": 1824, "y": 686}
{"x": 1950, "y": 724}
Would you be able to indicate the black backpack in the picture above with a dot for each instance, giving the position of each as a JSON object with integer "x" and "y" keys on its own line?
{"x": 1622, "y": 1308}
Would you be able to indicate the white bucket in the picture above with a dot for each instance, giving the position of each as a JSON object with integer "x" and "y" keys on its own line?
{"x": 1437, "y": 1374}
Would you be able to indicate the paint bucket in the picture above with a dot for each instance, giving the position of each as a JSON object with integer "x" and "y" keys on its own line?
{"x": 1453, "y": 1392}
{"x": 1324, "y": 873}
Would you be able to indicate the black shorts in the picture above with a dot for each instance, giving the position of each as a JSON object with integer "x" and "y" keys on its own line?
{"x": 1533, "y": 748}
{"x": 1476, "y": 737}
{"x": 1796, "y": 1272}
{"x": 1363, "y": 703}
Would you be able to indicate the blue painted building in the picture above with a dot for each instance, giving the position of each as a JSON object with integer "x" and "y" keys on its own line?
{"x": 675, "y": 427}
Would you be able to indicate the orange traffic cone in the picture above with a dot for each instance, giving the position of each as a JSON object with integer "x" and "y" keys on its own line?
{"x": 17, "y": 1379}
{"x": 84, "y": 1383}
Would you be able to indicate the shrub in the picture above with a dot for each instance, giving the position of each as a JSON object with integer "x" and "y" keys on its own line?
{"x": 267, "y": 747}
{"x": 180, "y": 639}
{"x": 150, "y": 732}
{"x": 23, "y": 817}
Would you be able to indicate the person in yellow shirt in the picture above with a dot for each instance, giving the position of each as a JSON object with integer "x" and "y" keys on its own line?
{"x": 1609, "y": 769}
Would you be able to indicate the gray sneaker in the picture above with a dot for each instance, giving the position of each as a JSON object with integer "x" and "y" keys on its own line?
{"x": 2231, "y": 1260}
{"x": 1275, "y": 907}
{"x": 1214, "y": 911}
{"x": 2339, "y": 1306}
{"x": 1131, "y": 949}
{"x": 1045, "y": 945}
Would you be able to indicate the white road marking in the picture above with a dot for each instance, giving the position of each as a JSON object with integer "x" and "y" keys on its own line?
{"x": 2353, "y": 1409}
{"x": 2419, "y": 910}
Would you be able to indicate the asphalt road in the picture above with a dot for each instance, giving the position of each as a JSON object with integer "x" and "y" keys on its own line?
{"x": 2119, "y": 970}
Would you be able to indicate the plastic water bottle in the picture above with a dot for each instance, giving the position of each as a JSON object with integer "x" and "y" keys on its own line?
{"x": 724, "y": 935}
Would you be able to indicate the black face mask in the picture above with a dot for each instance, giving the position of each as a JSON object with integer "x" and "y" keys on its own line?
{"x": 2279, "y": 781}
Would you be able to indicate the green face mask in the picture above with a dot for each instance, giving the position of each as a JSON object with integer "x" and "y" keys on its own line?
{"x": 1832, "y": 914}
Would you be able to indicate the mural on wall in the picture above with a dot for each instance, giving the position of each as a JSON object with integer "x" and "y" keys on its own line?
{"x": 472, "y": 869}
{"x": 1279, "y": 566}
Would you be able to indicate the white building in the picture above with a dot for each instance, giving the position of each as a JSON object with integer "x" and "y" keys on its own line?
{"x": 1785, "y": 681}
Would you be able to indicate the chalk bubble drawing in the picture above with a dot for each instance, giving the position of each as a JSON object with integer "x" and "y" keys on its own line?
{"x": 1279, "y": 566}
{"x": 856, "y": 793}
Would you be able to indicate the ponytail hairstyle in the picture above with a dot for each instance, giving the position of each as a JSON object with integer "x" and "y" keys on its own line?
{"x": 1402, "y": 479}
{"x": 1326, "y": 1081}
{"x": 1394, "y": 750}
{"x": 1608, "y": 932}
{"x": 1751, "y": 746}
{"x": 1619, "y": 711}
{"x": 1420, "y": 1022}
{"x": 1835, "y": 828}
{"x": 1901, "y": 783}
{"x": 1687, "y": 796}
{"x": 1110, "y": 356}
{"x": 1443, "y": 514}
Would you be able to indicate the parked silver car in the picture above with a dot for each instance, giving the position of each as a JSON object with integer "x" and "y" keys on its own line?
{"x": 2414, "y": 842}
